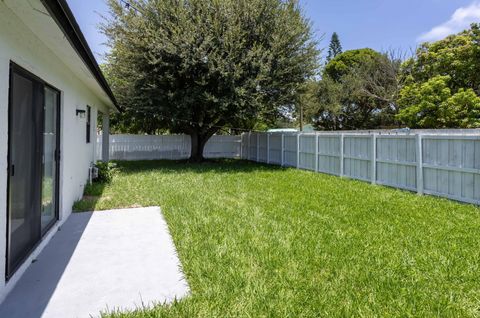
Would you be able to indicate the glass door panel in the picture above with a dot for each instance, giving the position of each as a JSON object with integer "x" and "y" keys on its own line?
{"x": 24, "y": 168}
{"x": 49, "y": 177}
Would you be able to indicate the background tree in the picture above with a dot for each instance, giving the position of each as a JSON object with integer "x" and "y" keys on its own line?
{"x": 432, "y": 105}
{"x": 198, "y": 66}
{"x": 358, "y": 90}
{"x": 307, "y": 101}
{"x": 335, "y": 47}
{"x": 443, "y": 83}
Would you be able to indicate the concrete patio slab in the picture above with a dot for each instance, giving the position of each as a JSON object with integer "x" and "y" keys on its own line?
{"x": 101, "y": 261}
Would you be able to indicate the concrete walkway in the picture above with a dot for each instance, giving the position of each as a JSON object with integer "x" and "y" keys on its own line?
{"x": 102, "y": 261}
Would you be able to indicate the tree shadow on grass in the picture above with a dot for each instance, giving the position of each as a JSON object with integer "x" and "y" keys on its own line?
{"x": 184, "y": 166}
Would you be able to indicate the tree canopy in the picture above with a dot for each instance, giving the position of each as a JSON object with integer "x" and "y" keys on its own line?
{"x": 433, "y": 105}
{"x": 358, "y": 90}
{"x": 197, "y": 66}
{"x": 439, "y": 87}
{"x": 442, "y": 83}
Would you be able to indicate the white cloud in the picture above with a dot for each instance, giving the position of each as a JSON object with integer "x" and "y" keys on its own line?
{"x": 460, "y": 20}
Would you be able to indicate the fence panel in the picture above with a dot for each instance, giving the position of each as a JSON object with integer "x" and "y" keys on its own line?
{"x": 358, "y": 157}
{"x": 132, "y": 147}
{"x": 98, "y": 148}
{"x": 290, "y": 150}
{"x": 262, "y": 148}
{"x": 170, "y": 147}
{"x": 223, "y": 146}
{"x": 275, "y": 149}
{"x": 329, "y": 154}
{"x": 396, "y": 161}
{"x": 252, "y": 155}
{"x": 451, "y": 167}
{"x": 245, "y": 146}
{"x": 307, "y": 152}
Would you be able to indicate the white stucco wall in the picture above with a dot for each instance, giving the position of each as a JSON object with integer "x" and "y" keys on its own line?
{"x": 20, "y": 45}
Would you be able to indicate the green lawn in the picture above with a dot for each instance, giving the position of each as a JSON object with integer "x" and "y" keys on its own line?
{"x": 262, "y": 241}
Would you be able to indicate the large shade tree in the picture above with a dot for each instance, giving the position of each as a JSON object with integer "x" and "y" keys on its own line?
{"x": 196, "y": 66}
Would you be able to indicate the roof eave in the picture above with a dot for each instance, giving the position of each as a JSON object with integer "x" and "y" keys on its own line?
{"x": 63, "y": 16}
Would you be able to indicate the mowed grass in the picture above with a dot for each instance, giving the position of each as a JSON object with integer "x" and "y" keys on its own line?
{"x": 263, "y": 241}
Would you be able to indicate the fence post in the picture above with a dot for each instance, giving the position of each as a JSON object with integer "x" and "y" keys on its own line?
{"x": 316, "y": 152}
{"x": 257, "y": 159}
{"x": 268, "y": 148}
{"x": 374, "y": 158}
{"x": 342, "y": 163}
{"x": 241, "y": 145}
{"x": 298, "y": 150}
{"x": 419, "y": 158}
{"x": 248, "y": 145}
{"x": 283, "y": 150}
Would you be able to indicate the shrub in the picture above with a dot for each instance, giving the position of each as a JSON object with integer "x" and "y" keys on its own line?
{"x": 106, "y": 171}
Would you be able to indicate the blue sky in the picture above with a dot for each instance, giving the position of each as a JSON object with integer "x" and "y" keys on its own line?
{"x": 378, "y": 24}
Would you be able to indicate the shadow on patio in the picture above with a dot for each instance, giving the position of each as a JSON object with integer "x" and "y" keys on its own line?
{"x": 111, "y": 260}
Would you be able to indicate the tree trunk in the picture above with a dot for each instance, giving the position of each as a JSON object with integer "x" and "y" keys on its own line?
{"x": 197, "y": 146}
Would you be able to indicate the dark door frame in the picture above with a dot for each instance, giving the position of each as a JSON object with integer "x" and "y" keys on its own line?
{"x": 15, "y": 68}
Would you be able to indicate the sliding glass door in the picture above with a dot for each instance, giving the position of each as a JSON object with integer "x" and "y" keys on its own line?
{"x": 24, "y": 168}
{"x": 33, "y": 164}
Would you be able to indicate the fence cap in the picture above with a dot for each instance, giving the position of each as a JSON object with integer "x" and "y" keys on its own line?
{"x": 406, "y": 131}
{"x": 283, "y": 130}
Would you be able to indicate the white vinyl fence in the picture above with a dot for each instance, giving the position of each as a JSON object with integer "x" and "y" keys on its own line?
{"x": 442, "y": 163}
{"x": 172, "y": 147}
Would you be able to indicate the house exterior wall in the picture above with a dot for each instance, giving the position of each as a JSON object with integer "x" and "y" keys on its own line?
{"x": 19, "y": 45}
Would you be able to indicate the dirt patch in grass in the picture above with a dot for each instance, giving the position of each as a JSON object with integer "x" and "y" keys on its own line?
{"x": 91, "y": 198}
